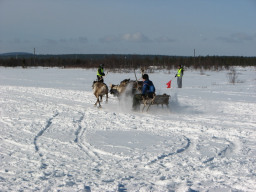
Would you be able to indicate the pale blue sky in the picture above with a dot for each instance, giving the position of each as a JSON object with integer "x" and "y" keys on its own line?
{"x": 167, "y": 27}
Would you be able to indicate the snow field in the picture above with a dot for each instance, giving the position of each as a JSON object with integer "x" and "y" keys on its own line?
{"x": 54, "y": 139}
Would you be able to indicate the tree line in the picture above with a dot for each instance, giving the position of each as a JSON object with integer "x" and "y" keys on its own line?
{"x": 129, "y": 62}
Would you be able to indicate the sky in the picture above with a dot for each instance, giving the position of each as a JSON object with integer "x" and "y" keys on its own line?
{"x": 165, "y": 27}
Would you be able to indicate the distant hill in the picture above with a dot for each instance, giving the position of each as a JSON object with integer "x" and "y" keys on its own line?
{"x": 16, "y": 54}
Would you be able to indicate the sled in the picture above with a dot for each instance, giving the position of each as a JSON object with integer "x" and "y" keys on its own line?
{"x": 156, "y": 100}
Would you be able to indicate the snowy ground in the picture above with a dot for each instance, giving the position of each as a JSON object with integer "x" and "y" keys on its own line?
{"x": 54, "y": 139}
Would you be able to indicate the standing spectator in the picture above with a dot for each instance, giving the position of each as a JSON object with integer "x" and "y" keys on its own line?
{"x": 179, "y": 76}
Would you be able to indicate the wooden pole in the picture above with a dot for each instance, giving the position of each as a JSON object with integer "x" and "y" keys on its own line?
{"x": 34, "y": 56}
{"x": 194, "y": 57}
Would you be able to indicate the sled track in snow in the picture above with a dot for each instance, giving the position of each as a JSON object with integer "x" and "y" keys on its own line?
{"x": 79, "y": 127}
{"x": 222, "y": 153}
{"x": 79, "y": 133}
{"x": 172, "y": 153}
{"x": 49, "y": 122}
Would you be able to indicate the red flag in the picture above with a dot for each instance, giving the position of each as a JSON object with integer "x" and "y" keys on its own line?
{"x": 169, "y": 84}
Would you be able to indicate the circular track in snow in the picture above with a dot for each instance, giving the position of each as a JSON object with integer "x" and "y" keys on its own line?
{"x": 136, "y": 143}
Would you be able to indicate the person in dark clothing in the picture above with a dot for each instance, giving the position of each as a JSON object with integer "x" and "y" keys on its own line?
{"x": 148, "y": 90}
{"x": 100, "y": 73}
{"x": 179, "y": 76}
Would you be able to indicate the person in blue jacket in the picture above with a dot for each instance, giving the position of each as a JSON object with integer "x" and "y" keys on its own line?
{"x": 148, "y": 90}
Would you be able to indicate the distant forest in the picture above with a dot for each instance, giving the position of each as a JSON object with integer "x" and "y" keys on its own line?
{"x": 129, "y": 62}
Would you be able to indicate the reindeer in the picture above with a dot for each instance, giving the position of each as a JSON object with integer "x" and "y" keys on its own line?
{"x": 99, "y": 89}
{"x": 127, "y": 86}
{"x": 117, "y": 90}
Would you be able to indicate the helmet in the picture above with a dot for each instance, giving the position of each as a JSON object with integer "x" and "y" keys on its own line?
{"x": 145, "y": 76}
{"x": 101, "y": 65}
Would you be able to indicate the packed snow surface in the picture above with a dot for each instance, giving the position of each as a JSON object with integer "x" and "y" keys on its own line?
{"x": 53, "y": 138}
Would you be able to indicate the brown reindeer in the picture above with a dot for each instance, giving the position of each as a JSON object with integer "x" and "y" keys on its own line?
{"x": 127, "y": 86}
{"x": 99, "y": 89}
{"x": 117, "y": 90}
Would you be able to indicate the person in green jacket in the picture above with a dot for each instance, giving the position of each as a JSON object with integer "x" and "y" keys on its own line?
{"x": 179, "y": 76}
{"x": 100, "y": 73}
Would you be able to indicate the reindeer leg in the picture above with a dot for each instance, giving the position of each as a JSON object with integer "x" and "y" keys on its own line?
{"x": 143, "y": 108}
{"x": 98, "y": 101}
{"x": 106, "y": 98}
{"x": 99, "y": 104}
{"x": 148, "y": 106}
